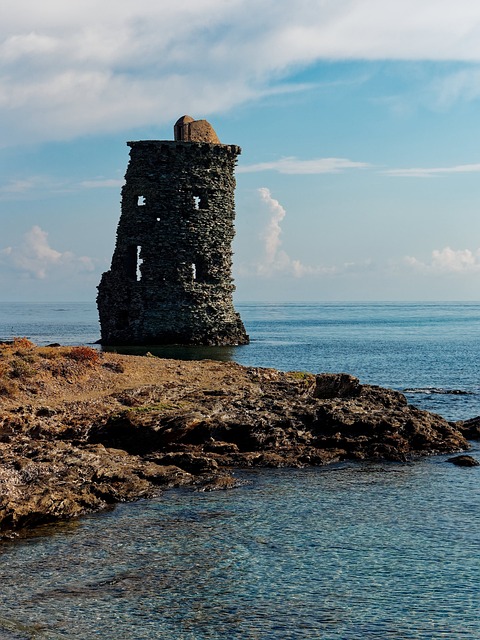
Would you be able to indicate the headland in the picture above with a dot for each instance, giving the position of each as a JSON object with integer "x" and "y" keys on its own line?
{"x": 81, "y": 430}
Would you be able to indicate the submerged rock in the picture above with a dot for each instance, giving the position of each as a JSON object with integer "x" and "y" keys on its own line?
{"x": 464, "y": 461}
{"x": 80, "y": 431}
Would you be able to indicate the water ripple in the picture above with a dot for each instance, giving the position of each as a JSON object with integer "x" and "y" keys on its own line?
{"x": 381, "y": 551}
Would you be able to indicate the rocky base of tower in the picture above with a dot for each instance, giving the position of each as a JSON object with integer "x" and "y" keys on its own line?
{"x": 230, "y": 335}
{"x": 135, "y": 314}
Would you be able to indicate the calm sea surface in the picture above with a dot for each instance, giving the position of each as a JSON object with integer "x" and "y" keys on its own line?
{"x": 339, "y": 553}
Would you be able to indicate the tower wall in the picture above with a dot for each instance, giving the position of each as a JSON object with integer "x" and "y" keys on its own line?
{"x": 170, "y": 281}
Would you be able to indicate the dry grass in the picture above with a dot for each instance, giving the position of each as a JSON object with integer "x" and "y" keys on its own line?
{"x": 56, "y": 376}
{"x": 16, "y": 360}
{"x": 21, "y": 369}
{"x": 49, "y": 353}
{"x": 23, "y": 344}
{"x": 84, "y": 355}
{"x": 8, "y": 388}
{"x": 24, "y": 366}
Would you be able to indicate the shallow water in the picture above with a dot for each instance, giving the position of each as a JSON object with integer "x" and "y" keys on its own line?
{"x": 375, "y": 551}
{"x": 338, "y": 553}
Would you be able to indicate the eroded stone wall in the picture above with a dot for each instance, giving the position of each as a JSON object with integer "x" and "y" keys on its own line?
{"x": 170, "y": 281}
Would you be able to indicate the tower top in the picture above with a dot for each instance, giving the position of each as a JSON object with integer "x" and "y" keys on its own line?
{"x": 186, "y": 129}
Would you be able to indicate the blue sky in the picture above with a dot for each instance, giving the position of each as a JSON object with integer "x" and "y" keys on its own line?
{"x": 359, "y": 177}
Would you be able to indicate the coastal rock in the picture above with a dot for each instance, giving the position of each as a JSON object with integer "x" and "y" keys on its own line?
{"x": 44, "y": 481}
{"x": 80, "y": 430}
{"x": 280, "y": 420}
{"x": 464, "y": 461}
{"x": 470, "y": 429}
{"x": 187, "y": 461}
{"x": 336, "y": 385}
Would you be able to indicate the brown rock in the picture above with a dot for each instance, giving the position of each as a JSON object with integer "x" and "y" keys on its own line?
{"x": 336, "y": 385}
{"x": 79, "y": 436}
{"x": 464, "y": 461}
{"x": 470, "y": 429}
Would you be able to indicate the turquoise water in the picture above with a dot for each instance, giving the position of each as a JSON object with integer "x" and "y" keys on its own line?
{"x": 354, "y": 552}
{"x": 340, "y": 553}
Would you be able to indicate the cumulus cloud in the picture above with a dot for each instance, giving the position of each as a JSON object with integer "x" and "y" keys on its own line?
{"x": 273, "y": 230}
{"x": 276, "y": 261}
{"x": 447, "y": 260}
{"x": 34, "y": 257}
{"x": 72, "y": 68}
{"x": 293, "y": 165}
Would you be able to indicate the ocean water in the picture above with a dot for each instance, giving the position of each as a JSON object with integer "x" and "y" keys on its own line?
{"x": 346, "y": 552}
{"x": 432, "y": 349}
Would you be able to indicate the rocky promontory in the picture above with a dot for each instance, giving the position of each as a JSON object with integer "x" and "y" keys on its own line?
{"x": 82, "y": 430}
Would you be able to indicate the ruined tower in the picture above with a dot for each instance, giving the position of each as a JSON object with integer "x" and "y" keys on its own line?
{"x": 170, "y": 280}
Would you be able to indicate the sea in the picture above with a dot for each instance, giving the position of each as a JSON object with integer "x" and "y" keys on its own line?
{"x": 350, "y": 551}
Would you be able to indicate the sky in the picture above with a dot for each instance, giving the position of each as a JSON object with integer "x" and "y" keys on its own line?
{"x": 359, "y": 177}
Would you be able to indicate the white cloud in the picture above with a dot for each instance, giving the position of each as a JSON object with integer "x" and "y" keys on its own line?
{"x": 276, "y": 261}
{"x": 34, "y": 257}
{"x": 102, "y": 183}
{"x": 32, "y": 186}
{"x": 425, "y": 172}
{"x": 273, "y": 230}
{"x": 78, "y": 67}
{"x": 462, "y": 84}
{"x": 447, "y": 260}
{"x": 293, "y": 165}
{"x": 20, "y": 186}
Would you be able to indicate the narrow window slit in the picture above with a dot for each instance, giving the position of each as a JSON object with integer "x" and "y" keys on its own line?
{"x": 139, "y": 264}
{"x": 141, "y": 201}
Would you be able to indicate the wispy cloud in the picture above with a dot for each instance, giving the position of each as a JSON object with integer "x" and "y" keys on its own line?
{"x": 293, "y": 165}
{"x": 29, "y": 187}
{"x": 19, "y": 186}
{"x": 102, "y": 183}
{"x": 68, "y": 69}
{"x": 459, "y": 85}
{"x": 34, "y": 257}
{"x": 447, "y": 260}
{"x": 432, "y": 172}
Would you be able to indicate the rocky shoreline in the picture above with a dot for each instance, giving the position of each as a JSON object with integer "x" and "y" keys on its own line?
{"x": 81, "y": 430}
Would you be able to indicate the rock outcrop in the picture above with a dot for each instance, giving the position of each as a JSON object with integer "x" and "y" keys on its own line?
{"x": 80, "y": 430}
{"x": 469, "y": 428}
{"x": 464, "y": 461}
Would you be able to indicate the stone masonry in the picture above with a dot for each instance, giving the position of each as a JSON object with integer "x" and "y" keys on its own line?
{"x": 170, "y": 280}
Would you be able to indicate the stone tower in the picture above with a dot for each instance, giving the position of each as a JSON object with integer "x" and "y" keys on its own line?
{"x": 170, "y": 280}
